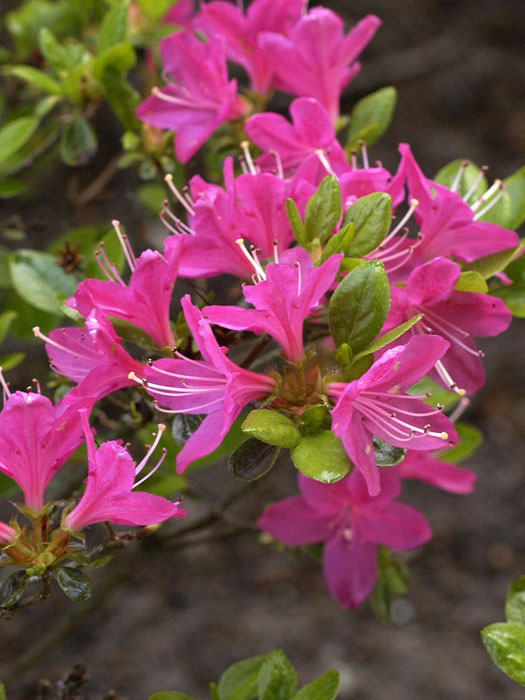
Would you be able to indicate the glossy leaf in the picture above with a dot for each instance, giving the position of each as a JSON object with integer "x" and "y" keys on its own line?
{"x": 515, "y": 605}
{"x": 469, "y": 439}
{"x": 387, "y": 455}
{"x": 239, "y": 682}
{"x": 339, "y": 242}
{"x": 271, "y": 427}
{"x": 389, "y": 337}
{"x": 371, "y": 216}
{"x": 515, "y": 188}
{"x": 74, "y": 582}
{"x": 324, "y": 688}
{"x": 252, "y": 460}
{"x": 277, "y": 679}
{"x": 323, "y": 211}
{"x": 371, "y": 117}
{"x": 12, "y": 589}
{"x": 505, "y": 642}
{"x": 447, "y": 176}
{"x": 321, "y": 456}
{"x": 296, "y": 223}
{"x": 359, "y": 306}
{"x": 491, "y": 264}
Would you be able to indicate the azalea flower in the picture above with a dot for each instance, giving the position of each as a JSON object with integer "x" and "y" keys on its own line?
{"x": 425, "y": 466}
{"x": 288, "y": 291}
{"x": 109, "y": 488}
{"x": 317, "y": 59}
{"x": 310, "y": 135}
{"x": 93, "y": 357}
{"x": 144, "y": 301}
{"x": 182, "y": 13}
{"x": 352, "y": 524}
{"x": 242, "y": 32}
{"x": 456, "y": 316}
{"x": 7, "y": 534}
{"x": 36, "y": 438}
{"x": 199, "y": 97}
{"x": 214, "y": 386}
{"x": 378, "y": 404}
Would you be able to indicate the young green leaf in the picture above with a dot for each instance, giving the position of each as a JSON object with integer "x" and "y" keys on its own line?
{"x": 339, "y": 242}
{"x": 471, "y": 281}
{"x": 277, "y": 679}
{"x": 515, "y": 188}
{"x": 469, "y": 439}
{"x": 36, "y": 78}
{"x": 78, "y": 142}
{"x": 324, "y": 688}
{"x": 271, "y": 427}
{"x": 321, "y": 456}
{"x": 389, "y": 337}
{"x": 113, "y": 28}
{"x": 470, "y": 174}
{"x": 371, "y": 216}
{"x": 15, "y": 134}
{"x": 296, "y": 223}
{"x": 323, "y": 210}
{"x": 505, "y": 642}
{"x": 371, "y": 117}
{"x": 239, "y": 682}
{"x": 496, "y": 262}
{"x": 515, "y": 605}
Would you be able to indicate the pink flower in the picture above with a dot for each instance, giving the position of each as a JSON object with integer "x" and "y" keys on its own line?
{"x": 199, "y": 99}
{"x": 36, "y": 438}
{"x": 181, "y": 13}
{"x": 214, "y": 386}
{"x": 109, "y": 488}
{"x": 351, "y": 523}
{"x": 311, "y": 135}
{"x": 242, "y": 33}
{"x": 377, "y": 404}
{"x": 144, "y": 301}
{"x": 93, "y": 357}
{"x": 7, "y": 534}
{"x": 290, "y": 290}
{"x": 456, "y": 316}
{"x": 317, "y": 60}
{"x": 443, "y": 475}
{"x": 252, "y": 204}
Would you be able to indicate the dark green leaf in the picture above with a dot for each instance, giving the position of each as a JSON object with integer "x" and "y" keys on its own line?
{"x": 239, "y": 682}
{"x": 5, "y": 322}
{"x": 324, "y": 688}
{"x": 78, "y": 142}
{"x": 448, "y": 174}
{"x": 321, "y": 456}
{"x": 323, "y": 211}
{"x": 170, "y": 695}
{"x": 113, "y": 28}
{"x": 340, "y": 242}
{"x": 371, "y": 117}
{"x": 12, "y": 589}
{"x": 75, "y": 584}
{"x": 15, "y": 134}
{"x": 232, "y": 440}
{"x": 271, "y": 427}
{"x": 515, "y": 188}
{"x": 11, "y": 188}
{"x": 387, "y": 455}
{"x": 371, "y": 216}
{"x": 3, "y": 696}
{"x": 11, "y": 361}
{"x": 469, "y": 439}
{"x": 121, "y": 97}
{"x": 183, "y": 426}
{"x": 359, "y": 306}
{"x": 277, "y": 679}
{"x": 296, "y": 223}
{"x": 389, "y": 337}
{"x": 36, "y": 78}
{"x": 505, "y": 642}
{"x": 252, "y": 460}
{"x": 515, "y": 605}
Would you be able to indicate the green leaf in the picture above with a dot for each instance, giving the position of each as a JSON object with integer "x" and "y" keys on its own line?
{"x": 437, "y": 393}
{"x": 113, "y": 28}
{"x": 15, "y": 134}
{"x": 371, "y": 216}
{"x": 469, "y": 439}
{"x": 252, "y": 459}
{"x": 119, "y": 58}
{"x": 114, "y": 253}
{"x": 11, "y": 188}
{"x": 239, "y": 682}
{"x": 515, "y": 188}
{"x": 447, "y": 177}
{"x": 12, "y": 589}
{"x": 315, "y": 417}
{"x": 392, "y": 581}
{"x": 321, "y": 456}
{"x": 277, "y": 679}
{"x": 78, "y": 142}
{"x": 339, "y": 242}
{"x": 505, "y": 642}
{"x": 165, "y": 481}
{"x": 51, "y": 50}
{"x": 515, "y": 605}
{"x": 471, "y": 281}
{"x": 75, "y": 584}
{"x": 500, "y": 212}
{"x": 3, "y": 696}
{"x": 183, "y": 426}
{"x": 323, "y": 211}
{"x": 371, "y": 117}
{"x": 387, "y": 455}
{"x": 63, "y": 17}
{"x": 324, "y": 688}
{"x": 296, "y": 223}
{"x": 359, "y": 306}
{"x": 36, "y": 78}
{"x": 170, "y": 695}
{"x": 514, "y": 299}
{"x": 388, "y": 337}
{"x": 491, "y": 264}
{"x": 151, "y": 195}
{"x": 121, "y": 97}
{"x": 40, "y": 281}
{"x": 11, "y": 361}
{"x": 271, "y": 427}
{"x": 233, "y": 438}
{"x": 5, "y": 322}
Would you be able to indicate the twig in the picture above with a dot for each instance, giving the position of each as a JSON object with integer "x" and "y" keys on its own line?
{"x": 98, "y": 184}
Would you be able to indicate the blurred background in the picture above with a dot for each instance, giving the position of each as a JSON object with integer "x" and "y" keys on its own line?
{"x": 176, "y": 619}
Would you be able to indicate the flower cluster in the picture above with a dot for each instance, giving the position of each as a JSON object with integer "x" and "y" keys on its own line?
{"x": 352, "y": 310}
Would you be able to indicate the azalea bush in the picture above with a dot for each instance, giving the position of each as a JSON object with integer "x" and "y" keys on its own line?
{"x": 307, "y": 306}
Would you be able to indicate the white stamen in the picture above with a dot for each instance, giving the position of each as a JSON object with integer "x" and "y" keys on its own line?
{"x": 111, "y": 267}
{"x": 459, "y": 410}
{"x": 324, "y": 161}
{"x": 482, "y": 171}
{"x": 454, "y": 186}
{"x": 152, "y": 471}
{"x": 445, "y": 376}
{"x": 140, "y": 466}
{"x": 275, "y": 250}
{"x": 4, "y": 385}
{"x": 364, "y": 154}
{"x": 247, "y": 155}
{"x": 297, "y": 266}
{"x": 261, "y": 275}
{"x": 353, "y": 156}
{"x": 193, "y": 409}
{"x": 492, "y": 202}
{"x": 279, "y": 163}
{"x": 126, "y": 247}
{"x": 169, "y": 181}
{"x": 488, "y": 194}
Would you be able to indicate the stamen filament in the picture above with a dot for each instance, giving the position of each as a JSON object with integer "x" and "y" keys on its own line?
{"x": 488, "y": 194}
{"x": 193, "y": 409}
{"x": 445, "y": 376}
{"x": 126, "y": 247}
{"x": 491, "y": 203}
{"x": 4, "y": 385}
{"x": 184, "y": 376}
{"x": 247, "y": 155}
{"x": 140, "y": 466}
{"x": 482, "y": 171}
{"x": 152, "y": 471}
{"x": 324, "y": 161}
{"x": 169, "y": 181}
{"x": 261, "y": 275}
{"x": 454, "y": 186}
{"x": 279, "y": 163}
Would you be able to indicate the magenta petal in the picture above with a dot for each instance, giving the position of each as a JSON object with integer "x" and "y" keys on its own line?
{"x": 394, "y": 525}
{"x": 432, "y": 282}
{"x": 328, "y": 498}
{"x": 481, "y": 315}
{"x": 357, "y": 440}
{"x": 349, "y": 569}
{"x": 294, "y": 523}
{"x": 443, "y": 475}
{"x": 204, "y": 440}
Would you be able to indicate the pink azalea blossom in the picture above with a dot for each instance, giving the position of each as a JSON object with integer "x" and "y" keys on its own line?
{"x": 199, "y": 99}
{"x": 352, "y": 524}
{"x": 251, "y": 205}
{"x": 378, "y": 404}
{"x": 289, "y": 291}
{"x": 242, "y": 32}
{"x": 311, "y": 135}
{"x": 7, "y": 534}
{"x": 317, "y": 59}
{"x": 182, "y": 13}
{"x": 426, "y": 467}
{"x": 456, "y": 316}
{"x": 144, "y": 301}
{"x": 109, "y": 488}
{"x": 93, "y": 357}
{"x": 36, "y": 438}
{"x": 214, "y": 386}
